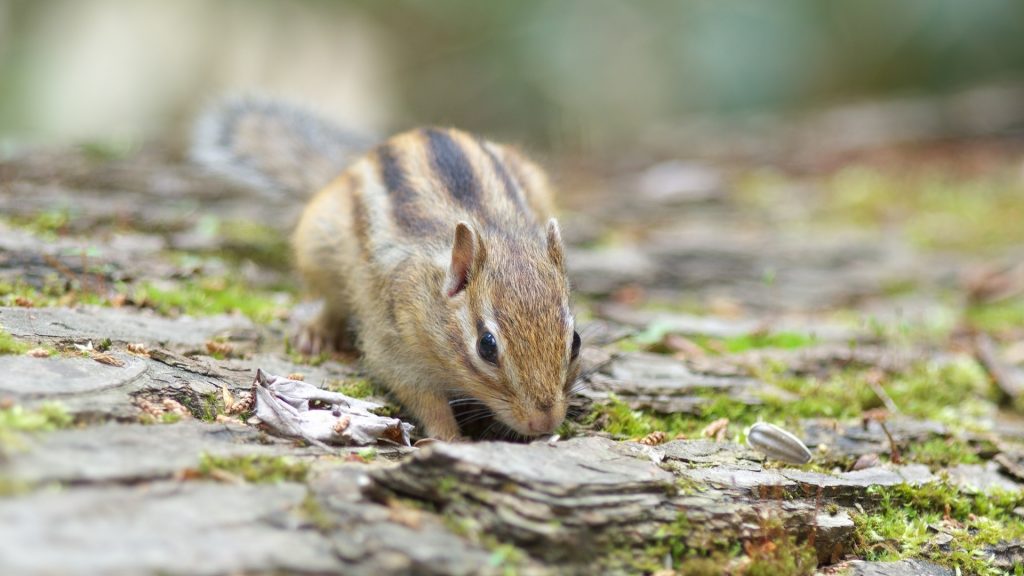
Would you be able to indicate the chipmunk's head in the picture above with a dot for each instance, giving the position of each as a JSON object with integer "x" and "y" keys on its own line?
{"x": 512, "y": 326}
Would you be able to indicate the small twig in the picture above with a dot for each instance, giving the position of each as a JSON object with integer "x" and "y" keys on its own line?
{"x": 874, "y": 380}
{"x": 61, "y": 268}
{"x": 1010, "y": 382}
{"x": 893, "y": 449}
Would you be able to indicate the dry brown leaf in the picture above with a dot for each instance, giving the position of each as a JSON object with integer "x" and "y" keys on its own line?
{"x": 149, "y": 408}
{"x": 243, "y": 403}
{"x": 866, "y": 461}
{"x": 223, "y": 348}
{"x": 342, "y": 424}
{"x": 23, "y": 302}
{"x": 138, "y": 348}
{"x": 297, "y": 376}
{"x": 107, "y": 359}
{"x": 227, "y": 398}
{"x": 716, "y": 429}
{"x": 174, "y": 407}
{"x": 653, "y": 439}
{"x": 405, "y": 515}
{"x": 683, "y": 346}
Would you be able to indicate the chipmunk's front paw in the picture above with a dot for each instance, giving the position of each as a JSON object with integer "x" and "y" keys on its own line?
{"x": 314, "y": 339}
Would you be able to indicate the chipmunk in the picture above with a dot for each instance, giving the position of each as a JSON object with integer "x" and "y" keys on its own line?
{"x": 442, "y": 248}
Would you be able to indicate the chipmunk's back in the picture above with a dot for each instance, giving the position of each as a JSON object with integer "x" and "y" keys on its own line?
{"x": 432, "y": 178}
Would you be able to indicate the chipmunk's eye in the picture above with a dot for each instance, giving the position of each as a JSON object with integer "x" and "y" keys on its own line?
{"x": 488, "y": 348}
{"x": 576, "y": 343}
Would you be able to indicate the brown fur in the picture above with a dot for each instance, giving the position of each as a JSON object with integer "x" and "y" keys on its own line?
{"x": 423, "y": 243}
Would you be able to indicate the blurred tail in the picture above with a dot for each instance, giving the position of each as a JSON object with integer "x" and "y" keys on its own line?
{"x": 272, "y": 146}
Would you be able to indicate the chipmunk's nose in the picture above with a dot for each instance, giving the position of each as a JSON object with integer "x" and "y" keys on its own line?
{"x": 542, "y": 422}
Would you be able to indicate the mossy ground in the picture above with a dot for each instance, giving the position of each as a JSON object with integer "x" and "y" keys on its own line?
{"x": 255, "y": 469}
{"x": 354, "y": 387}
{"x": 227, "y": 291}
{"x": 935, "y": 210}
{"x": 211, "y": 296}
{"x": 956, "y": 393}
{"x": 10, "y": 345}
{"x": 16, "y": 420}
{"x": 905, "y": 520}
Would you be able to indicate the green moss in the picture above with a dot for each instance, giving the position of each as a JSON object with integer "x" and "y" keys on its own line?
{"x": 618, "y": 419}
{"x": 313, "y": 511}
{"x": 47, "y": 224}
{"x": 934, "y": 209}
{"x": 9, "y": 345}
{"x": 772, "y": 552}
{"x": 784, "y": 340}
{"x": 653, "y": 335}
{"x": 170, "y": 418}
{"x": 507, "y": 557}
{"x": 942, "y": 452}
{"x": 212, "y": 296}
{"x": 244, "y": 240}
{"x": 956, "y": 394}
{"x": 953, "y": 393}
{"x": 780, "y": 553}
{"x": 354, "y": 388}
{"x": 258, "y": 469}
{"x": 16, "y": 420}
{"x": 58, "y": 292}
{"x": 998, "y": 316}
{"x": 897, "y": 526}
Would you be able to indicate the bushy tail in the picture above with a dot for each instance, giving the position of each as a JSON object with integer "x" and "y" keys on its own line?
{"x": 272, "y": 146}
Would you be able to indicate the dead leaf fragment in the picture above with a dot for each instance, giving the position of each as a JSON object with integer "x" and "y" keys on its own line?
{"x": 174, "y": 407}
{"x": 404, "y": 515}
{"x": 38, "y": 353}
{"x": 342, "y": 424}
{"x": 654, "y": 438}
{"x": 227, "y": 398}
{"x": 296, "y": 409}
{"x": 107, "y": 359}
{"x": 866, "y": 461}
{"x": 138, "y": 348}
{"x": 215, "y": 348}
{"x": 297, "y": 376}
{"x": 225, "y": 419}
{"x": 716, "y": 429}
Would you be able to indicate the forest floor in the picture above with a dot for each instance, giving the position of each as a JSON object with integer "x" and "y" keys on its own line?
{"x": 872, "y": 305}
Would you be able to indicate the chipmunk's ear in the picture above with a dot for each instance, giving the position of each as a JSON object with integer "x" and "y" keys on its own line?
{"x": 555, "y": 248}
{"x": 467, "y": 257}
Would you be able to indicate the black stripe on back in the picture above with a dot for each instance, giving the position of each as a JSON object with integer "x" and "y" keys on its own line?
{"x": 403, "y": 196}
{"x": 453, "y": 168}
{"x": 498, "y": 166}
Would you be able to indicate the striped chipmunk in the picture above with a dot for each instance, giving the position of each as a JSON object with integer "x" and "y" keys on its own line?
{"x": 438, "y": 250}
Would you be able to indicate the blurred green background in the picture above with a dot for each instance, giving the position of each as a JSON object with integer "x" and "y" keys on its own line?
{"x": 576, "y": 75}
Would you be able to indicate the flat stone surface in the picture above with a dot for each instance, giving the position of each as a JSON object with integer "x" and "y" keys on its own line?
{"x": 394, "y": 538}
{"x": 120, "y": 325}
{"x": 166, "y": 528}
{"x": 539, "y": 496}
{"x": 25, "y": 376}
{"x": 901, "y": 568}
{"x": 133, "y": 452}
{"x": 981, "y": 477}
{"x": 854, "y": 438}
{"x": 664, "y": 384}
